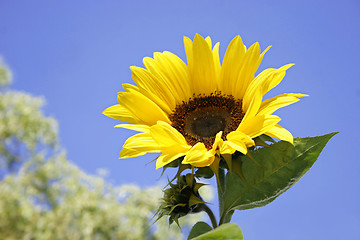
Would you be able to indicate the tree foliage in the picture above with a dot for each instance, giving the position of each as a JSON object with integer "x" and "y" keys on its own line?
{"x": 44, "y": 196}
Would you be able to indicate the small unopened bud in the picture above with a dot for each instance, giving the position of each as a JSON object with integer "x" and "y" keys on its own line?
{"x": 181, "y": 198}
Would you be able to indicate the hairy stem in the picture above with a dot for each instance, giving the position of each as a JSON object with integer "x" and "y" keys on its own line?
{"x": 221, "y": 190}
{"x": 210, "y": 214}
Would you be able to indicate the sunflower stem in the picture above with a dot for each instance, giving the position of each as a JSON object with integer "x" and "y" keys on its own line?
{"x": 211, "y": 215}
{"x": 221, "y": 189}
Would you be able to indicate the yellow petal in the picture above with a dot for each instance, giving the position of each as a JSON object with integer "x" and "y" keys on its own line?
{"x": 270, "y": 83}
{"x": 238, "y": 146}
{"x": 164, "y": 159}
{"x": 280, "y": 133}
{"x": 169, "y": 74}
{"x": 130, "y": 153}
{"x": 168, "y": 138}
{"x": 177, "y": 71}
{"x": 216, "y": 58}
{"x": 233, "y": 60}
{"x": 262, "y": 54}
{"x": 225, "y": 148}
{"x": 188, "y": 44}
{"x": 135, "y": 127}
{"x": 153, "y": 88}
{"x": 269, "y": 106}
{"x": 208, "y": 41}
{"x": 198, "y": 156}
{"x": 203, "y": 75}
{"x": 139, "y": 144}
{"x": 236, "y": 136}
{"x": 120, "y": 113}
{"x": 265, "y": 81}
{"x": 254, "y": 105}
{"x": 247, "y": 71}
{"x": 217, "y": 143}
{"x": 129, "y": 87}
{"x": 254, "y": 127}
{"x": 239, "y": 141}
{"x": 142, "y": 108}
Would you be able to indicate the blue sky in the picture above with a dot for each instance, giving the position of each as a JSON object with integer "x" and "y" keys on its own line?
{"x": 77, "y": 54}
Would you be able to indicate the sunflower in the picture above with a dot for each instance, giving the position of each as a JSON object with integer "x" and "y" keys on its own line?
{"x": 203, "y": 109}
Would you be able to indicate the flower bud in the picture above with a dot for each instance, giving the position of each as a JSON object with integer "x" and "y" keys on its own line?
{"x": 181, "y": 199}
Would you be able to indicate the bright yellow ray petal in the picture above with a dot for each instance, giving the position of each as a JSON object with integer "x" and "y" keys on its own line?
{"x": 159, "y": 73}
{"x": 237, "y": 136}
{"x": 276, "y": 79}
{"x": 203, "y": 75}
{"x": 232, "y": 63}
{"x": 217, "y": 143}
{"x": 208, "y": 41}
{"x": 265, "y": 81}
{"x": 225, "y": 148}
{"x": 255, "y": 85}
{"x": 166, "y": 74}
{"x": 262, "y": 54}
{"x": 188, "y": 44}
{"x": 176, "y": 70}
{"x": 198, "y": 156}
{"x": 120, "y": 113}
{"x": 258, "y": 125}
{"x": 269, "y": 106}
{"x": 221, "y": 146}
{"x": 142, "y": 108}
{"x": 168, "y": 138}
{"x": 129, "y": 87}
{"x": 280, "y": 133}
{"x": 135, "y": 127}
{"x": 130, "y": 153}
{"x": 217, "y": 64}
{"x": 247, "y": 71}
{"x": 253, "y": 107}
{"x": 164, "y": 159}
{"x": 153, "y": 88}
{"x": 239, "y": 141}
{"x": 238, "y": 145}
{"x": 138, "y": 145}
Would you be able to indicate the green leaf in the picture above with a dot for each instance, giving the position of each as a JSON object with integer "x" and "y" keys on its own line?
{"x": 198, "y": 229}
{"x": 223, "y": 232}
{"x": 277, "y": 168}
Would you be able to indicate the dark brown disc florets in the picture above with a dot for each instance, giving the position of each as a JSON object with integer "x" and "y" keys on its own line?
{"x": 202, "y": 117}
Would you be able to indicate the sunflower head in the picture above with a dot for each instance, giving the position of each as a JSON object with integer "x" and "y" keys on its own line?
{"x": 204, "y": 109}
{"x": 181, "y": 198}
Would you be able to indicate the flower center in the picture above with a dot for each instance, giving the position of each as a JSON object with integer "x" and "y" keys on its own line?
{"x": 207, "y": 122}
{"x": 202, "y": 117}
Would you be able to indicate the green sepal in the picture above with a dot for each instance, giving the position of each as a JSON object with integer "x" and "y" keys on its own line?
{"x": 189, "y": 180}
{"x": 197, "y": 186}
{"x": 215, "y": 167}
{"x": 237, "y": 168}
{"x": 194, "y": 200}
{"x": 228, "y": 160}
{"x": 175, "y": 206}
